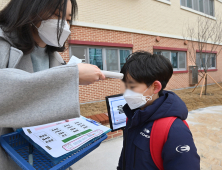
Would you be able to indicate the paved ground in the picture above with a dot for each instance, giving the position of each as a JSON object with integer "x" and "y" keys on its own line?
{"x": 105, "y": 157}
{"x": 206, "y": 126}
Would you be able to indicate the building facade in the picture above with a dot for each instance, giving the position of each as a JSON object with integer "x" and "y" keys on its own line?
{"x": 106, "y": 32}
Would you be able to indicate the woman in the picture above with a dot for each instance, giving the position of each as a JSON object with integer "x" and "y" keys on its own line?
{"x": 36, "y": 86}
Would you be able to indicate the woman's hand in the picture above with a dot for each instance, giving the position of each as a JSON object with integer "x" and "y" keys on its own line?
{"x": 88, "y": 74}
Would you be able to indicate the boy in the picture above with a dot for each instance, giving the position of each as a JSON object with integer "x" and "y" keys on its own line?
{"x": 145, "y": 77}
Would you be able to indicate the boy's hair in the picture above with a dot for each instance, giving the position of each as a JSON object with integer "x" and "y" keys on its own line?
{"x": 146, "y": 68}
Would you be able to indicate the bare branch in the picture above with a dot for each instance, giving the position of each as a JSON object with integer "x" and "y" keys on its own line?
{"x": 204, "y": 35}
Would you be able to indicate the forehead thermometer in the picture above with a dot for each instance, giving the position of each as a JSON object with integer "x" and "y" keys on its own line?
{"x": 114, "y": 75}
{"x": 108, "y": 74}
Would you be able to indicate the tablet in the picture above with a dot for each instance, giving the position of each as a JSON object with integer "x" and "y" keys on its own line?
{"x": 117, "y": 117}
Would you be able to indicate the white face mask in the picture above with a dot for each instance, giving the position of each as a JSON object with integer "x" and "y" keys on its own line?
{"x": 48, "y": 32}
{"x": 136, "y": 100}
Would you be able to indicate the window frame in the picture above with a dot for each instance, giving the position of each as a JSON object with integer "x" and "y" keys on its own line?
{"x": 87, "y": 60}
{"x": 165, "y": 1}
{"x": 178, "y": 60}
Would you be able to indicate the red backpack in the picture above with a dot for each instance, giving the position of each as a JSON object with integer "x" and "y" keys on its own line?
{"x": 158, "y": 138}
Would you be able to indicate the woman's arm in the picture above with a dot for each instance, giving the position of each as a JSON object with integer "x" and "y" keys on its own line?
{"x": 28, "y": 99}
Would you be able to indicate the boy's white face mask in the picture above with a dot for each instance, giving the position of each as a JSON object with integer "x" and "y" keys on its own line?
{"x": 136, "y": 100}
{"x": 48, "y": 32}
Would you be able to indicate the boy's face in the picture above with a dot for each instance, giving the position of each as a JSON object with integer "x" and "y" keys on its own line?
{"x": 139, "y": 88}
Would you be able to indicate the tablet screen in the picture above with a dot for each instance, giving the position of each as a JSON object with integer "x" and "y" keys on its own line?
{"x": 117, "y": 117}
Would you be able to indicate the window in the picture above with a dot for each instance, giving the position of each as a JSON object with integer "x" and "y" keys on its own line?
{"x": 211, "y": 7}
{"x": 205, "y": 6}
{"x": 201, "y": 6}
{"x": 123, "y": 55}
{"x": 195, "y": 5}
{"x": 106, "y": 58}
{"x": 189, "y": 4}
{"x": 79, "y": 52}
{"x": 112, "y": 60}
{"x": 208, "y": 61}
{"x": 95, "y": 57}
{"x": 177, "y": 59}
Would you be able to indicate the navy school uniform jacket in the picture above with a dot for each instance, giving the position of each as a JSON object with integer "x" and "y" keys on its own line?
{"x": 179, "y": 151}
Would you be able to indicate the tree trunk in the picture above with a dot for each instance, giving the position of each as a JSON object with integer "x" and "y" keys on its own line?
{"x": 205, "y": 93}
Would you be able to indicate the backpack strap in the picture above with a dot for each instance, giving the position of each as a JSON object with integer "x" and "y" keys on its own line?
{"x": 185, "y": 122}
{"x": 158, "y": 138}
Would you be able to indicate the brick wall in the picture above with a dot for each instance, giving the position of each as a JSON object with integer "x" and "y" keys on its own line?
{"x": 115, "y": 134}
{"x": 99, "y": 90}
